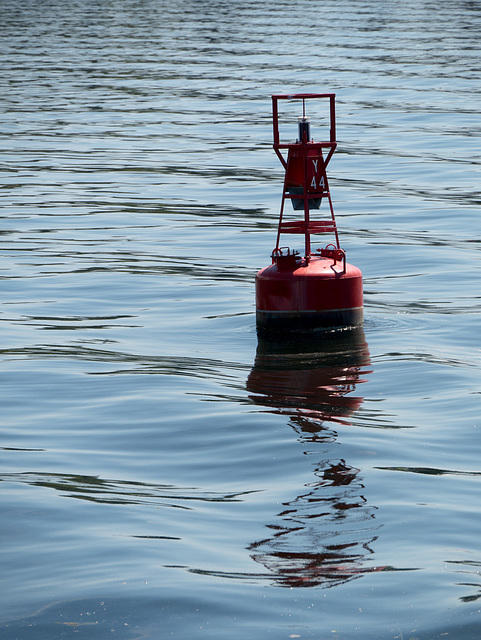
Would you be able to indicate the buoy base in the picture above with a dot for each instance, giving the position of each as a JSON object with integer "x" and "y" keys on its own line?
{"x": 318, "y": 294}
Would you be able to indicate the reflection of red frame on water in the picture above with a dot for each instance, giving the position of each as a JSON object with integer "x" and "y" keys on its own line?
{"x": 312, "y": 383}
{"x": 321, "y": 569}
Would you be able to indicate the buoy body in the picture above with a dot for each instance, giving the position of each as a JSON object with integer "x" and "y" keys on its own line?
{"x": 312, "y": 295}
{"x": 320, "y": 290}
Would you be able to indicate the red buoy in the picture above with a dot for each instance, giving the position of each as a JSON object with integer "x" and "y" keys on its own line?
{"x": 320, "y": 289}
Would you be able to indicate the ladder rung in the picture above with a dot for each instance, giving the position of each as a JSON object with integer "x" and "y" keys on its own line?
{"x": 322, "y": 226}
{"x": 310, "y": 195}
{"x": 314, "y": 226}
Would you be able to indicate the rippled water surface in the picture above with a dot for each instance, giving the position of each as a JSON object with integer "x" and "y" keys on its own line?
{"x": 164, "y": 473}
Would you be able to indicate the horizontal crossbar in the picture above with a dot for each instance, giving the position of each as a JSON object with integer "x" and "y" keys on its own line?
{"x": 310, "y": 195}
{"x": 314, "y": 226}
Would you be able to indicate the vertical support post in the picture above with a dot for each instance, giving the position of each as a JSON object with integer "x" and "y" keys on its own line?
{"x": 275, "y": 121}
{"x": 332, "y": 100}
{"x": 307, "y": 235}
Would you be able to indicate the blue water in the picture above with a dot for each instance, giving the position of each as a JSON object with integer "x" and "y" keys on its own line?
{"x": 164, "y": 474}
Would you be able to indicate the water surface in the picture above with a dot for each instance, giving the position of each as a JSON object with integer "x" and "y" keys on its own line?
{"x": 164, "y": 473}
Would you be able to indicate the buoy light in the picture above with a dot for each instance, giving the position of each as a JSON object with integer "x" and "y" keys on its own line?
{"x": 304, "y": 125}
{"x": 320, "y": 289}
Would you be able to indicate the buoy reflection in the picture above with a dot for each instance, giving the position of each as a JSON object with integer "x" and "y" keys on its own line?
{"x": 324, "y": 535}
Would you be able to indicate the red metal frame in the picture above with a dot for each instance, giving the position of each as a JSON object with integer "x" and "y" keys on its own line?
{"x": 304, "y": 150}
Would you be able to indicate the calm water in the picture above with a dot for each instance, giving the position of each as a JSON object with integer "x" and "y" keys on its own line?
{"x": 163, "y": 473}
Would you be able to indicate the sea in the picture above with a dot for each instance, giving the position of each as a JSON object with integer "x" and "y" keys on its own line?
{"x": 165, "y": 472}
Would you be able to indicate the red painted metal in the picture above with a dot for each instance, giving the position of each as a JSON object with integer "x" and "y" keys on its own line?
{"x": 305, "y": 182}
{"x": 319, "y": 289}
{"x": 319, "y": 293}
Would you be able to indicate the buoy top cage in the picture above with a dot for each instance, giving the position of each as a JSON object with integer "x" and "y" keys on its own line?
{"x": 305, "y": 183}
{"x": 331, "y": 143}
